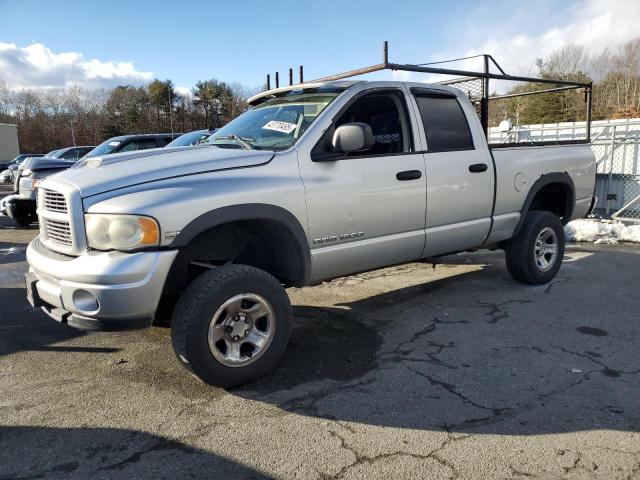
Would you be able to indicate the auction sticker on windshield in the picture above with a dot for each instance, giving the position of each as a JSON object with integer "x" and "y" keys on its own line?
{"x": 279, "y": 126}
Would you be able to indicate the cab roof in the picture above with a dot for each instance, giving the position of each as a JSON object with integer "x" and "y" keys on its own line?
{"x": 345, "y": 84}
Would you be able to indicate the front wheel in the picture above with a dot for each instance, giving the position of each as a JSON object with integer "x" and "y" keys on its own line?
{"x": 24, "y": 219}
{"x": 231, "y": 325}
{"x": 535, "y": 254}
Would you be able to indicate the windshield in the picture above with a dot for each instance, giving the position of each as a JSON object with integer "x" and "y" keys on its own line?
{"x": 52, "y": 154}
{"x": 106, "y": 147}
{"x": 277, "y": 123}
{"x": 189, "y": 139}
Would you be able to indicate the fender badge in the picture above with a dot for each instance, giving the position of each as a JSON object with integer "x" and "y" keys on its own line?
{"x": 335, "y": 238}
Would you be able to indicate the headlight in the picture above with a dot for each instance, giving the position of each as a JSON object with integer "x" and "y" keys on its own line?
{"x": 121, "y": 232}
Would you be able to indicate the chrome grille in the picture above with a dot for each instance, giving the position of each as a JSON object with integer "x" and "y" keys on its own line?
{"x": 58, "y": 231}
{"x": 54, "y": 201}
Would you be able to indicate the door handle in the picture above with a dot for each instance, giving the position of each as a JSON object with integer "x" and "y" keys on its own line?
{"x": 409, "y": 175}
{"x": 478, "y": 167}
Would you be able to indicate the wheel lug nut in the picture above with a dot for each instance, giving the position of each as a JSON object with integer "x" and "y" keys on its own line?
{"x": 246, "y": 332}
{"x": 236, "y": 338}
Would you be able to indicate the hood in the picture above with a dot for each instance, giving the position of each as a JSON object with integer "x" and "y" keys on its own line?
{"x": 37, "y": 164}
{"x": 100, "y": 174}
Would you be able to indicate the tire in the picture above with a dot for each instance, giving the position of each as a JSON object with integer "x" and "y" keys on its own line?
{"x": 211, "y": 305}
{"x": 23, "y": 219}
{"x": 525, "y": 261}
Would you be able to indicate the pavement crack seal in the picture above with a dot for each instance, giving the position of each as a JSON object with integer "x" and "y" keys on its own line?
{"x": 496, "y": 413}
{"x": 307, "y": 403}
{"x": 361, "y": 459}
{"x": 551, "y": 284}
{"x": 496, "y": 312}
{"x": 606, "y": 370}
{"x": 400, "y": 353}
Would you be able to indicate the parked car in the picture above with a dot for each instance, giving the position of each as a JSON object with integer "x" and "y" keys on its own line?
{"x": 70, "y": 153}
{"x": 314, "y": 182}
{"x": 192, "y": 138}
{"x": 18, "y": 159}
{"x": 7, "y": 175}
{"x": 21, "y": 206}
{"x": 128, "y": 143}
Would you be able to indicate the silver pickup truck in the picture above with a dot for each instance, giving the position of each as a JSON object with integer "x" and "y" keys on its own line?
{"x": 315, "y": 181}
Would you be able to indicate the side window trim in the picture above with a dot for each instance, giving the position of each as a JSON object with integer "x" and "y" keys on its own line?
{"x": 418, "y": 92}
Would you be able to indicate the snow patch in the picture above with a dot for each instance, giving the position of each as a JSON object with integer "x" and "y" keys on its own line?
{"x": 596, "y": 231}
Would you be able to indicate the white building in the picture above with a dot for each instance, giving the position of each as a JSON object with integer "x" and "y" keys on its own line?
{"x": 8, "y": 142}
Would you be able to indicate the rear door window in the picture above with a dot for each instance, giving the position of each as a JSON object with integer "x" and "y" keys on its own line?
{"x": 445, "y": 123}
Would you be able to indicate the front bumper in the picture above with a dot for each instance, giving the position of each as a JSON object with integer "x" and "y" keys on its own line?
{"x": 98, "y": 290}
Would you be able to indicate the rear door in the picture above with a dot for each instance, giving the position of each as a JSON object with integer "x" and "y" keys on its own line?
{"x": 460, "y": 174}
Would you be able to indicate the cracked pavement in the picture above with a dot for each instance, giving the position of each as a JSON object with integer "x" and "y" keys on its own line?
{"x": 455, "y": 372}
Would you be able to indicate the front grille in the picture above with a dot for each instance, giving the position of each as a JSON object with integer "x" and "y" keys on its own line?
{"x": 54, "y": 201}
{"x": 58, "y": 231}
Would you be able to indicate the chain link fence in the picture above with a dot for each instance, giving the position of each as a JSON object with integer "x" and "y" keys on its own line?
{"x": 472, "y": 87}
{"x": 617, "y": 150}
{"x": 616, "y": 145}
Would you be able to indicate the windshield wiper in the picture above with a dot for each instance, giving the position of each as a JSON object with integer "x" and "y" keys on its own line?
{"x": 244, "y": 142}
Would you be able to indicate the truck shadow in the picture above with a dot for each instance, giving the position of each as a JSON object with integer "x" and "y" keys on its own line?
{"x": 484, "y": 355}
{"x": 42, "y": 452}
{"x": 24, "y": 329}
{"x": 470, "y": 352}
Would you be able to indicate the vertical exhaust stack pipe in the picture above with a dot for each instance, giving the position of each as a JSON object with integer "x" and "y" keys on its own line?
{"x": 301, "y": 75}
{"x": 385, "y": 53}
{"x": 290, "y": 76}
{"x": 268, "y": 82}
{"x": 277, "y": 79}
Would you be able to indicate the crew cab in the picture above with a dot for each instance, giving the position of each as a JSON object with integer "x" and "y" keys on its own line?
{"x": 315, "y": 181}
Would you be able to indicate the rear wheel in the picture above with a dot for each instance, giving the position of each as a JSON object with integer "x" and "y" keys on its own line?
{"x": 231, "y": 325}
{"x": 535, "y": 254}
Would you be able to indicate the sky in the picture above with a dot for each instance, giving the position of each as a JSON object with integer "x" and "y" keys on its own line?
{"x": 53, "y": 44}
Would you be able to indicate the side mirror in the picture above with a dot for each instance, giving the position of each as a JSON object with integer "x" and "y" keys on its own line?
{"x": 352, "y": 137}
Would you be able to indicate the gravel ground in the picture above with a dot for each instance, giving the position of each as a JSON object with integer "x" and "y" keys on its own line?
{"x": 406, "y": 372}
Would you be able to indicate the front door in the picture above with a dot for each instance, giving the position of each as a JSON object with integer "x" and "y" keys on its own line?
{"x": 368, "y": 209}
